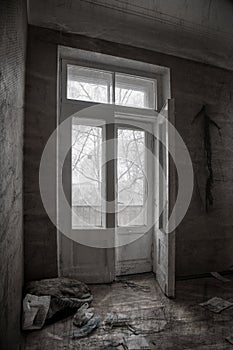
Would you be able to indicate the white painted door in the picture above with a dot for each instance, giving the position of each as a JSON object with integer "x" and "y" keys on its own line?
{"x": 134, "y": 199}
{"x": 164, "y": 247}
{"x": 86, "y": 251}
{"x": 128, "y": 188}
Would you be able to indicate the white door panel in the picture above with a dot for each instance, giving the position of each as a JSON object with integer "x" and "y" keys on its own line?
{"x": 135, "y": 257}
{"x": 77, "y": 259}
{"x": 164, "y": 248}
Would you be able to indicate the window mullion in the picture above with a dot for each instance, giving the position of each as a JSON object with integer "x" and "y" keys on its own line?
{"x": 110, "y": 175}
{"x": 113, "y": 87}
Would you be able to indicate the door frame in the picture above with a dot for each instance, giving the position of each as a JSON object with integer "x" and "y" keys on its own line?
{"x": 63, "y": 57}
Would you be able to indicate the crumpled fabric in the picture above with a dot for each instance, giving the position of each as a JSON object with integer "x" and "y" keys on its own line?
{"x": 85, "y": 330}
{"x": 67, "y": 295}
{"x": 83, "y": 315}
{"x": 59, "y": 287}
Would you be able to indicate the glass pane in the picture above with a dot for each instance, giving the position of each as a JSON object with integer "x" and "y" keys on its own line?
{"x": 88, "y": 84}
{"x": 133, "y": 91}
{"x": 86, "y": 176}
{"x": 131, "y": 177}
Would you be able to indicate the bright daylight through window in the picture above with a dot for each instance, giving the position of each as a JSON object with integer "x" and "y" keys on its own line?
{"x": 88, "y": 177}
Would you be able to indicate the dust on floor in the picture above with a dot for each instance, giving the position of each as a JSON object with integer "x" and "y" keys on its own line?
{"x": 178, "y": 324}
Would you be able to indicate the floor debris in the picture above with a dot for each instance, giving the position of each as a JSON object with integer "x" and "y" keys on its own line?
{"x": 59, "y": 287}
{"x": 119, "y": 346}
{"x": 146, "y": 320}
{"x": 230, "y": 339}
{"x": 161, "y": 321}
{"x": 216, "y": 304}
{"x": 67, "y": 295}
{"x": 133, "y": 285}
{"x": 35, "y": 310}
{"x": 116, "y": 320}
{"x": 59, "y": 306}
{"x": 54, "y": 336}
{"x": 83, "y": 315}
{"x": 133, "y": 342}
{"x": 219, "y": 277}
{"x": 136, "y": 342}
{"x": 85, "y": 330}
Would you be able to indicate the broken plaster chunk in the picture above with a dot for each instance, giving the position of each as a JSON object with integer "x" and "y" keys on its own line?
{"x": 35, "y": 310}
{"x": 216, "y": 304}
{"x": 136, "y": 342}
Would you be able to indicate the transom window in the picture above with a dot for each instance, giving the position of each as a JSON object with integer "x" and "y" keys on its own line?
{"x": 88, "y": 84}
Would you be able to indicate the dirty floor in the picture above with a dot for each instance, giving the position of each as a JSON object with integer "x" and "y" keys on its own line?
{"x": 178, "y": 324}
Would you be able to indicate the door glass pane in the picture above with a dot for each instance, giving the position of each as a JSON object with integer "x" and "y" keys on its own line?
{"x": 86, "y": 176}
{"x": 88, "y": 84}
{"x": 134, "y": 91}
{"x": 131, "y": 177}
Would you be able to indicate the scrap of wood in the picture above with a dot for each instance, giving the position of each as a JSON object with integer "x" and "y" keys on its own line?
{"x": 219, "y": 277}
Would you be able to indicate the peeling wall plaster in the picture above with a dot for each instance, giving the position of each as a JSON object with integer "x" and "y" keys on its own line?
{"x": 12, "y": 72}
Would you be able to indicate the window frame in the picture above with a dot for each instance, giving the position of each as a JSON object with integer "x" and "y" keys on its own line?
{"x": 149, "y": 169}
{"x": 113, "y": 70}
{"x": 140, "y": 115}
{"x": 111, "y": 94}
{"x": 102, "y": 125}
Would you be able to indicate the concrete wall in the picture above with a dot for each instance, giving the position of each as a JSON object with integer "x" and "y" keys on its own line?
{"x": 199, "y": 30}
{"x": 204, "y": 241}
{"x": 13, "y": 22}
{"x": 40, "y": 122}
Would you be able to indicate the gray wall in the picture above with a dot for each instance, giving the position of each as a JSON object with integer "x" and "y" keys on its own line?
{"x": 204, "y": 241}
{"x": 13, "y": 24}
{"x": 200, "y": 30}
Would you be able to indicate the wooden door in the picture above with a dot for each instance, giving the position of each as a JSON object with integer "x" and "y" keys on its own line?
{"x": 164, "y": 247}
{"x": 86, "y": 252}
{"x": 134, "y": 221}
